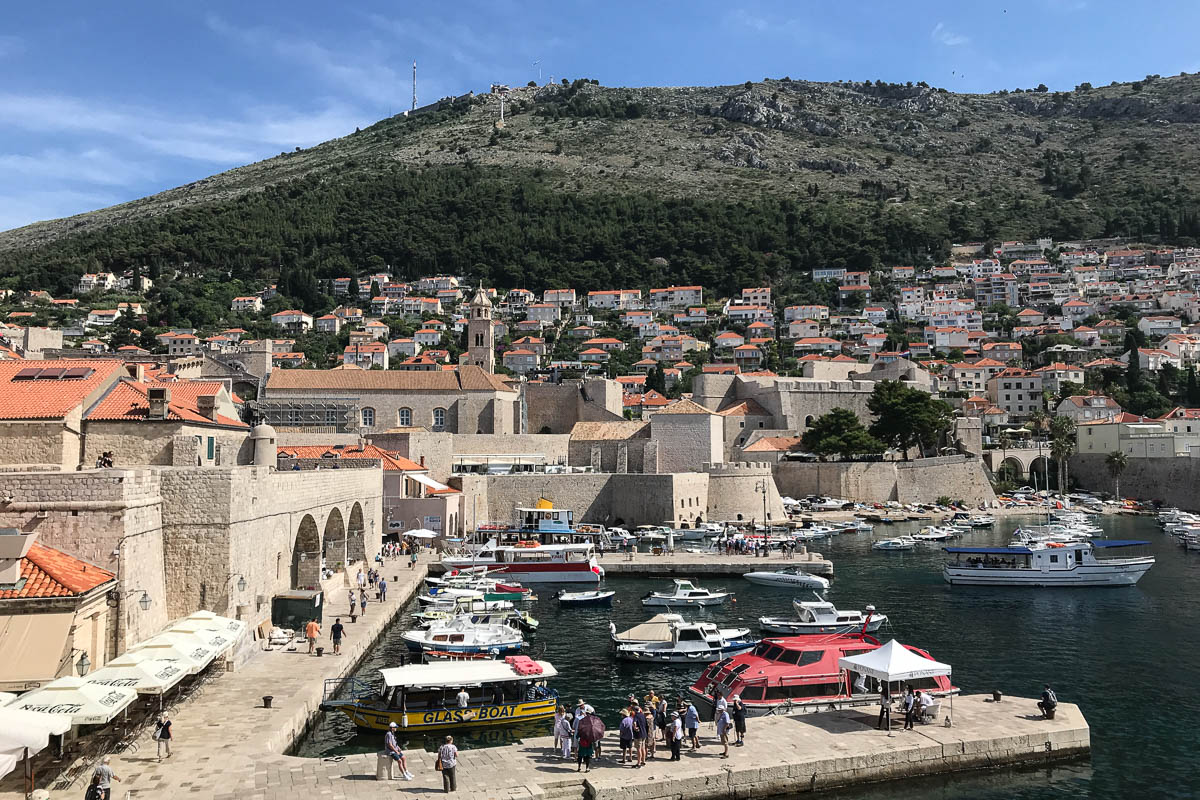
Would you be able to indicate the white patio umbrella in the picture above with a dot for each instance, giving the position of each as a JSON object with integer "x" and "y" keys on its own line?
{"x": 179, "y": 647}
{"x": 145, "y": 676}
{"x": 215, "y": 622}
{"x": 421, "y": 533}
{"x": 6, "y": 698}
{"x": 26, "y": 733}
{"x": 218, "y": 640}
{"x": 74, "y": 699}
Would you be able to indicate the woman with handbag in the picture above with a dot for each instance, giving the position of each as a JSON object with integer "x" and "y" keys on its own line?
{"x": 162, "y": 734}
{"x": 447, "y": 762}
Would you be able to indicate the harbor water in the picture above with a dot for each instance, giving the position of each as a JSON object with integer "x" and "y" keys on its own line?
{"x": 1127, "y": 656}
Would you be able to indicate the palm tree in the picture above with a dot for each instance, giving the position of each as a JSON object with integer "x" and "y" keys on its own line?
{"x": 1038, "y": 420}
{"x": 1062, "y": 447}
{"x": 1116, "y": 461}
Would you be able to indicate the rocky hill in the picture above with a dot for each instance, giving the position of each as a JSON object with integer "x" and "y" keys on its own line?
{"x": 1116, "y": 160}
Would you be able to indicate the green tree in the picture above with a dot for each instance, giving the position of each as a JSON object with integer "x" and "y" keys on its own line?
{"x": 907, "y": 417}
{"x": 839, "y": 433}
{"x": 1133, "y": 371}
{"x": 1116, "y": 462}
{"x": 1192, "y": 393}
{"x": 1062, "y": 447}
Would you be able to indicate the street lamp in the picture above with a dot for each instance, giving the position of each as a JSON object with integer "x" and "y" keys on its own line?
{"x": 241, "y": 583}
{"x": 144, "y": 601}
{"x": 83, "y": 665}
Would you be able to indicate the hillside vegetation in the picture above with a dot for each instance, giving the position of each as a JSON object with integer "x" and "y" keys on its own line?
{"x": 592, "y": 186}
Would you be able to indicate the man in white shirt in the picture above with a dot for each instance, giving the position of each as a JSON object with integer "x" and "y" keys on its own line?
{"x": 464, "y": 698}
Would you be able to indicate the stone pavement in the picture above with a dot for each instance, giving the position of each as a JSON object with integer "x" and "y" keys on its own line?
{"x": 785, "y": 755}
{"x": 224, "y": 736}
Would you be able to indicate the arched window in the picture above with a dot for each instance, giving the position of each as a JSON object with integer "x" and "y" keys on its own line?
{"x": 479, "y": 340}
{"x": 405, "y": 418}
{"x": 368, "y": 417}
{"x": 439, "y": 419}
{"x": 808, "y": 421}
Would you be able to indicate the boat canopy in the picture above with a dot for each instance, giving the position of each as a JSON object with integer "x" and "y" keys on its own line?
{"x": 459, "y": 673}
{"x": 657, "y": 628}
{"x": 1118, "y": 542}
{"x": 990, "y": 551}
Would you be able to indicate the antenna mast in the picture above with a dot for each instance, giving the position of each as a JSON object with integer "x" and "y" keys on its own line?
{"x": 414, "y": 102}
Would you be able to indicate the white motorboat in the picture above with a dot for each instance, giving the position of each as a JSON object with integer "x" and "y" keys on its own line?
{"x": 658, "y": 629}
{"x": 690, "y": 643}
{"x": 853, "y": 526}
{"x": 933, "y": 533}
{"x": 1084, "y": 563}
{"x": 685, "y": 593}
{"x": 443, "y": 596}
{"x": 788, "y": 577}
{"x": 981, "y": 521}
{"x": 822, "y": 617}
{"x": 459, "y": 635}
{"x": 896, "y": 543}
{"x": 592, "y": 598}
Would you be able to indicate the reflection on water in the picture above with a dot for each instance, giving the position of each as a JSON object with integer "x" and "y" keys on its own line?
{"x": 1127, "y": 656}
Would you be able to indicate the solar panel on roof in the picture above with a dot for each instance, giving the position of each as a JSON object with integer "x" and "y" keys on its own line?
{"x": 52, "y": 374}
{"x": 27, "y": 374}
{"x": 78, "y": 372}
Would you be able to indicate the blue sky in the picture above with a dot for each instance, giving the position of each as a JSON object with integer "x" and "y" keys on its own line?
{"x": 112, "y": 101}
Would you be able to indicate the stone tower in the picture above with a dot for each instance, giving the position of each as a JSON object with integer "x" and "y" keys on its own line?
{"x": 481, "y": 338}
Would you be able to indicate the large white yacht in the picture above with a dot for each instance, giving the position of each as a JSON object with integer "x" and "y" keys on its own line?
{"x": 1085, "y": 563}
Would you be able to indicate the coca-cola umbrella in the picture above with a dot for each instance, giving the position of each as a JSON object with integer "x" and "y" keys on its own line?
{"x": 591, "y": 728}
{"x": 26, "y": 733}
{"x": 215, "y": 622}
{"x": 149, "y": 676}
{"x": 73, "y": 698}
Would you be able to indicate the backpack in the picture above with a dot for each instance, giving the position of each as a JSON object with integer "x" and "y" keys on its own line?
{"x": 1051, "y": 697}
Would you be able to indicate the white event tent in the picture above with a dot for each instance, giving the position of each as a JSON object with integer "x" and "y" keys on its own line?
{"x": 24, "y": 734}
{"x": 895, "y": 662}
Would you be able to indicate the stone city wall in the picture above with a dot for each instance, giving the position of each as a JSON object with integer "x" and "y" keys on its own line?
{"x": 150, "y": 444}
{"x": 736, "y": 490}
{"x": 110, "y": 518}
{"x": 41, "y": 445}
{"x": 1169, "y": 481}
{"x": 921, "y": 481}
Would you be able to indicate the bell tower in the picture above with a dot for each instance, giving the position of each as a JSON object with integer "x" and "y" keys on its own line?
{"x": 481, "y": 338}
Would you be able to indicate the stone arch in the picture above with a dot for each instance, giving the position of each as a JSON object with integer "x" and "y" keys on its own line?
{"x": 306, "y": 555}
{"x": 1042, "y": 469}
{"x": 699, "y": 520}
{"x": 808, "y": 421}
{"x": 334, "y": 547}
{"x": 246, "y": 390}
{"x": 356, "y": 535}
{"x": 1010, "y": 469}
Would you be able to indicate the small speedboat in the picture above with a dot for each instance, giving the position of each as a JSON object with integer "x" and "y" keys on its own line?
{"x": 822, "y": 618}
{"x": 594, "y": 598}
{"x": 788, "y": 577}
{"x": 658, "y": 629}
{"x": 982, "y": 521}
{"x": 896, "y": 543}
{"x": 933, "y": 533}
{"x": 459, "y": 635}
{"x": 510, "y": 616}
{"x": 690, "y": 643}
{"x": 685, "y": 593}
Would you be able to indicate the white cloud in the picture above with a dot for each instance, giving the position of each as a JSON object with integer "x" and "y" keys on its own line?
{"x": 35, "y": 204}
{"x": 93, "y": 166}
{"x": 943, "y": 35}
{"x": 746, "y": 19}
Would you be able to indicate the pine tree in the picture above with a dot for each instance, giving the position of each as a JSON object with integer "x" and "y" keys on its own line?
{"x": 1192, "y": 395}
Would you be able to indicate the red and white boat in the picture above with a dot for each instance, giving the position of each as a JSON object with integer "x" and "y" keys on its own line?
{"x": 543, "y": 547}
{"x": 800, "y": 675}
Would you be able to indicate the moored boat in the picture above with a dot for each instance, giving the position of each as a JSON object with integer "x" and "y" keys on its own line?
{"x": 594, "y": 598}
{"x": 895, "y": 543}
{"x": 685, "y": 593}
{"x": 658, "y": 629}
{"x": 788, "y": 577}
{"x": 459, "y": 635}
{"x": 822, "y": 618}
{"x": 425, "y": 696}
{"x": 690, "y": 643}
{"x": 1084, "y": 563}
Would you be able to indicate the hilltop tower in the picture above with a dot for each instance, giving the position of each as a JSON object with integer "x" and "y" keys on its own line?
{"x": 481, "y": 338}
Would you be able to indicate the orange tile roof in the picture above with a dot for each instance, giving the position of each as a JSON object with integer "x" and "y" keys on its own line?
{"x": 774, "y": 444}
{"x": 391, "y": 461}
{"x": 51, "y": 399}
{"x": 130, "y": 400}
{"x": 53, "y": 573}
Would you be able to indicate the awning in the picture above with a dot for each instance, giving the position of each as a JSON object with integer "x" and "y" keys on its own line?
{"x": 428, "y": 482}
{"x": 216, "y": 622}
{"x": 220, "y": 641}
{"x": 179, "y": 647}
{"x": 35, "y": 648}
{"x": 152, "y": 676}
{"x": 420, "y": 533}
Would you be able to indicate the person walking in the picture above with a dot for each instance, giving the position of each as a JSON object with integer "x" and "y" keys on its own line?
{"x": 691, "y": 721}
{"x": 382, "y": 589}
{"x": 412, "y": 559}
{"x": 106, "y": 775}
{"x": 563, "y": 733}
{"x": 723, "y": 725}
{"x": 738, "y": 712}
{"x": 353, "y": 602}
{"x": 361, "y": 579}
{"x": 448, "y": 760}
{"x": 885, "y": 708}
{"x": 362, "y": 601}
{"x": 336, "y": 633}
{"x": 162, "y": 734}
{"x": 395, "y": 755}
{"x": 311, "y": 631}
{"x": 675, "y": 732}
{"x": 625, "y": 736}
{"x": 910, "y": 703}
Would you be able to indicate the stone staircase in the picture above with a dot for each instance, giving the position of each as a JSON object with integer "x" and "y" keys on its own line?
{"x": 570, "y": 789}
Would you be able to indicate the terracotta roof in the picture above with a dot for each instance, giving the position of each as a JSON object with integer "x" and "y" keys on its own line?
{"x": 684, "y": 406}
{"x": 467, "y": 377}
{"x": 130, "y": 400}
{"x": 391, "y": 461}
{"x": 774, "y": 444}
{"x": 53, "y": 573}
{"x": 616, "y": 430}
{"x": 42, "y": 398}
{"x": 748, "y": 407}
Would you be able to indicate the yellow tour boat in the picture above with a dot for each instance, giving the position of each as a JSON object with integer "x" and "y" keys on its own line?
{"x": 430, "y": 696}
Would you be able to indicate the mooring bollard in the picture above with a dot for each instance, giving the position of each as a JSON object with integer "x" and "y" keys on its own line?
{"x": 267, "y": 700}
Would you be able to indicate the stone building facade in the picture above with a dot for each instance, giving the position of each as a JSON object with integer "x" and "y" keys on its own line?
{"x": 556, "y": 407}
